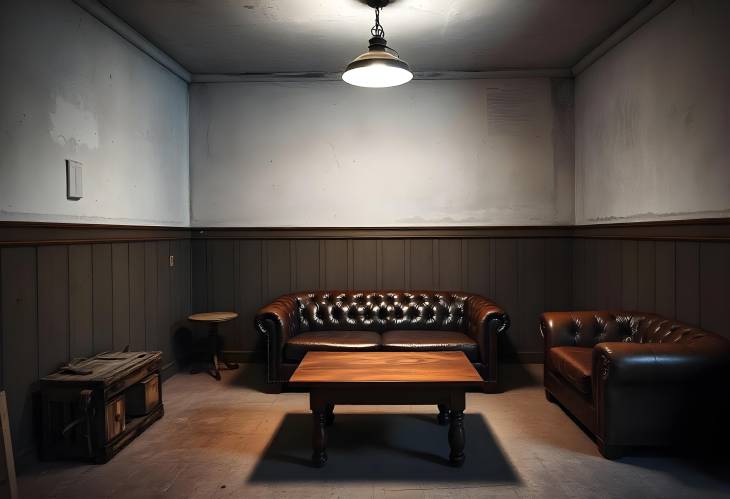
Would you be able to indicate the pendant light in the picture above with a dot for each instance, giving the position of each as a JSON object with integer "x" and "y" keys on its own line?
{"x": 380, "y": 66}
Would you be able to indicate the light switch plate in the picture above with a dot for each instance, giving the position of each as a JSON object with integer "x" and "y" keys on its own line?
{"x": 74, "y": 180}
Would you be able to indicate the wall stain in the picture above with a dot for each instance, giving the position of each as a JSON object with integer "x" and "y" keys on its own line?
{"x": 334, "y": 154}
{"x": 626, "y": 113}
{"x": 689, "y": 117}
{"x": 650, "y": 215}
{"x": 73, "y": 125}
{"x": 66, "y": 218}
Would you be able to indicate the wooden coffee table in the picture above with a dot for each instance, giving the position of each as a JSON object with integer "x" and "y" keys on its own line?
{"x": 382, "y": 378}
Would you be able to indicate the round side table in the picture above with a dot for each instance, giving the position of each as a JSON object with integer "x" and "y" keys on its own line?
{"x": 214, "y": 340}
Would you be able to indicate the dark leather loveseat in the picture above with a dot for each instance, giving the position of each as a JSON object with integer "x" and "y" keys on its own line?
{"x": 380, "y": 320}
{"x": 635, "y": 379}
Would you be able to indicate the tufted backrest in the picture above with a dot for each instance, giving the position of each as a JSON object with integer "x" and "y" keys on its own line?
{"x": 588, "y": 328}
{"x": 381, "y": 310}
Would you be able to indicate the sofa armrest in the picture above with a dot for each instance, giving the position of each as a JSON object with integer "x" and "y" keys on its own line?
{"x": 485, "y": 320}
{"x": 278, "y": 322}
{"x": 480, "y": 312}
{"x": 657, "y": 393}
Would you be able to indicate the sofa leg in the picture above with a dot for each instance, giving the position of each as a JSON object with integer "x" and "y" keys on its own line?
{"x": 273, "y": 388}
{"x": 611, "y": 451}
{"x": 550, "y": 397}
{"x": 491, "y": 387}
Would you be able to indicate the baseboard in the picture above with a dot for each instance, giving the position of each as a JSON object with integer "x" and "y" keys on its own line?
{"x": 242, "y": 356}
{"x": 524, "y": 358}
{"x": 25, "y": 458}
{"x": 168, "y": 370}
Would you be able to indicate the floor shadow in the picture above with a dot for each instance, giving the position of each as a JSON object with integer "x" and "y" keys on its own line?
{"x": 382, "y": 448}
{"x": 586, "y": 431}
{"x": 251, "y": 375}
{"x": 182, "y": 345}
{"x": 427, "y": 418}
{"x": 514, "y": 376}
{"x": 710, "y": 464}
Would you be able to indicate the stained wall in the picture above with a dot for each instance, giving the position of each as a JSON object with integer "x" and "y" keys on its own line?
{"x": 653, "y": 121}
{"x": 73, "y": 89}
{"x": 436, "y": 152}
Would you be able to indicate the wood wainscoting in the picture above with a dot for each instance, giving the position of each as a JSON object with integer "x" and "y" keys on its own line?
{"x": 70, "y": 291}
{"x": 678, "y": 269}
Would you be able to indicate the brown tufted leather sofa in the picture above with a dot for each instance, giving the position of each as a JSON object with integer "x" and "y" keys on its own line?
{"x": 380, "y": 320}
{"x": 635, "y": 379}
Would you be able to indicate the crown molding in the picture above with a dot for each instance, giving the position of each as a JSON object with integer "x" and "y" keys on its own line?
{"x": 116, "y": 24}
{"x": 626, "y": 30}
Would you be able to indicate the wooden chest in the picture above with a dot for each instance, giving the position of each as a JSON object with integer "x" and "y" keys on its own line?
{"x": 98, "y": 405}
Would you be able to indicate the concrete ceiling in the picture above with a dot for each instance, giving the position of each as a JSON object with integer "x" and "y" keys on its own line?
{"x": 276, "y": 36}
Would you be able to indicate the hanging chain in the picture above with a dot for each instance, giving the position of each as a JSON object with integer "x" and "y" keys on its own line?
{"x": 377, "y": 30}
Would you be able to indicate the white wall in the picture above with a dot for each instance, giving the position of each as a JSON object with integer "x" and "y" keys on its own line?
{"x": 71, "y": 88}
{"x": 470, "y": 152}
{"x": 653, "y": 121}
{"x": 652, "y": 130}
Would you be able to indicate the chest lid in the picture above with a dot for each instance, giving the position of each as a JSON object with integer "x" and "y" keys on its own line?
{"x": 104, "y": 368}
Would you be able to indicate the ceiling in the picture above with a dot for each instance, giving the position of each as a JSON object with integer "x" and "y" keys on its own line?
{"x": 280, "y": 36}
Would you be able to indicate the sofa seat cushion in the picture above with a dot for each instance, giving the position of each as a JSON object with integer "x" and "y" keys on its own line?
{"x": 417, "y": 340}
{"x": 330, "y": 341}
{"x": 574, "y": 364}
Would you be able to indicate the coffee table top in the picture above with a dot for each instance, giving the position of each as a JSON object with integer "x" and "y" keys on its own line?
{"x": 386, "y": 367}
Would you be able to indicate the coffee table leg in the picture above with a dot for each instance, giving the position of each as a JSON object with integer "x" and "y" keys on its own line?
{"x": 330, "y": 414}
{"x": 319, "y": 438}
{"x": 456, "y": 438}
{"x": 444, "y": 415}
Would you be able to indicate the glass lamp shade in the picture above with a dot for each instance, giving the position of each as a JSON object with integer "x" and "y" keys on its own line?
{"x": 377, "y": 69}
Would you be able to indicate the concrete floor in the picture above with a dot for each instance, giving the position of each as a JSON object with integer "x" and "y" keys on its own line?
{"x": 227, "y": 439}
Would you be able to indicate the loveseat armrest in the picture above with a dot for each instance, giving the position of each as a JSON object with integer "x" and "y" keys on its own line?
{"x": 660, "y": 393}
{"x": 560, "y": 329}
{"x": 650, "y": 363}
{"x": 277, "y": 321}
